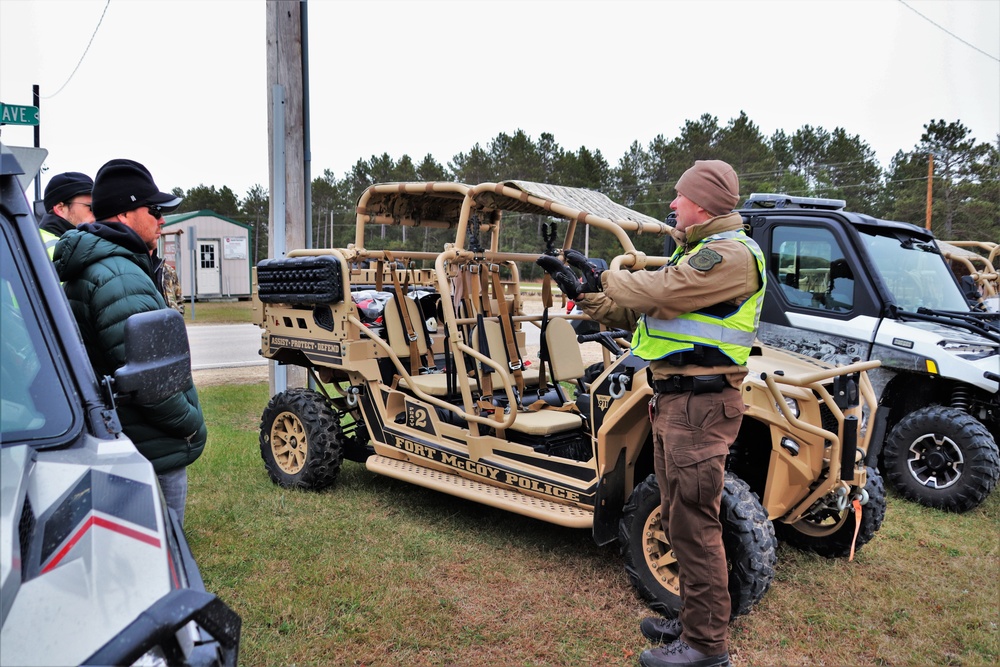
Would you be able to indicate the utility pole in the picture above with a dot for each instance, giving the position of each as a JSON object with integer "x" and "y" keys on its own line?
{"x": 930, "y": 187}
{"x": 286, "y": 149}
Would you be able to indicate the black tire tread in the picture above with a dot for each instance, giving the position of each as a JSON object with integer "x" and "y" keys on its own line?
{"x": 838, "y": 544}
{"x": 325, "y": 452}
{"x": 747, "y": 523}
{"x": 982, "y": 459}
{"x": 746, "y": 531}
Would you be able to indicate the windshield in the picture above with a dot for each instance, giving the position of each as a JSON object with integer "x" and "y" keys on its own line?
{"x": 33, "y": 401}
{"x": 915, "y": 274}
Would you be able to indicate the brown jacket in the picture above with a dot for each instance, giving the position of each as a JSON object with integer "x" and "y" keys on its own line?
{"x": 678, "y": 289}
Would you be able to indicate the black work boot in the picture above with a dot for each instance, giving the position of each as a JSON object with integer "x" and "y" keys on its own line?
{"x": 679, "y": 654}
{"x": 661, "y": 630}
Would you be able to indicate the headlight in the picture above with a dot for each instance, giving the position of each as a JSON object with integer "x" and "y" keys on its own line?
{"x": 791, "y": 404}
{"x": 968, "y": 349}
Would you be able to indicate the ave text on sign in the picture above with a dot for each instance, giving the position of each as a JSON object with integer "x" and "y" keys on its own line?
{"x": 13, "y": 114}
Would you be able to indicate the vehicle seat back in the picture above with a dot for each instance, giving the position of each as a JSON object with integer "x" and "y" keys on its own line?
{"x": 395, "y": 329}
{"x": 564, "y": 351}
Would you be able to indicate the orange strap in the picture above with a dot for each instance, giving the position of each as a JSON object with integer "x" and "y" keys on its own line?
{"x": 484, "y": 290}
{"x": 543, "y": 405}
{"x": 546, "y": 291}
{"x": 857, "y": 526}
{"x": 514, "y": 361}
{"x": 465, "y": 308}
{"x": 404, "y": 314}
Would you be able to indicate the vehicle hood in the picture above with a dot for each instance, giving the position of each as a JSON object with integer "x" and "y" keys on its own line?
{"x": 83, "y": 548}
{"x": 957, "y": 353}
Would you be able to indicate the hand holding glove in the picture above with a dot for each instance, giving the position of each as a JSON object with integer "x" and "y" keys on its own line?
{"x": 591, "y": 273}
{"x": 561, "y": 274}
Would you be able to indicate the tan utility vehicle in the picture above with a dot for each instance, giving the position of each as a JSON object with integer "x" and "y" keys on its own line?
{"x": 433, "y": 389}
{"x": 980, "y": 261}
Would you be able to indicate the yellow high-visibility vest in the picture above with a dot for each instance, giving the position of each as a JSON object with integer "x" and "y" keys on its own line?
{"x": 731, "y": 333}
{"x": 50, "y": 240}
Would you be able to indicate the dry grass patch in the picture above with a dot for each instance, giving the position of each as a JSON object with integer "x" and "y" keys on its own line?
{"x": 380, "y": 572}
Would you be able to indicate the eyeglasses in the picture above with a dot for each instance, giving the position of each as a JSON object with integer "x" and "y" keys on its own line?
{"x": 81, "y": 203}
{"x": 155, "y": 211}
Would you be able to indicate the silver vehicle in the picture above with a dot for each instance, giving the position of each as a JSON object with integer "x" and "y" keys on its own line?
{"x": 93, "y": 567}
{"x": 845, "y": 286}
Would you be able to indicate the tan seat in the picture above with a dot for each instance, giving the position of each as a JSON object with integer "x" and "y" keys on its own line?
{"x": 498, "y": 352}
{"x": 545, "y": 422}
{"x": 541, "y": 422}
{"x": 394, "y": 329}
{"x": 435, "y": 384}
{"x": 564, "y": 351}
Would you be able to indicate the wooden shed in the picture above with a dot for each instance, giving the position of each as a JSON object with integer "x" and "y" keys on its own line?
{"x": 210, "y": 252}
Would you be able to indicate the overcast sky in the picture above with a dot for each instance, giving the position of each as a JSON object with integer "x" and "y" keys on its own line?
{"x": 181, "y": 85}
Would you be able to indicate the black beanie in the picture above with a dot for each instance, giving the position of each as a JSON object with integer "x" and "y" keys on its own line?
{"x": 63, "y": 187}
{"x": 125, "y": 185}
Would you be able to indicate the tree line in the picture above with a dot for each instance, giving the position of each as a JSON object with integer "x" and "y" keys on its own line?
{"x": 812, "y": 162}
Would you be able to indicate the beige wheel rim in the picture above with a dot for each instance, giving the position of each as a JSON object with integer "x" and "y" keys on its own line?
{"x": 659, "y": 556}
{"x": 821, "y": 524}
{"x": 289, "y": 444}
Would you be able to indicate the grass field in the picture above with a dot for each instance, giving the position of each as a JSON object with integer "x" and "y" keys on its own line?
{"x": 379, "y": 572}
{"x": 222, "y": 312}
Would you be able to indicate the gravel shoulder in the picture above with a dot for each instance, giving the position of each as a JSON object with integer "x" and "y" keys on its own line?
{"x": 235, "y": 375}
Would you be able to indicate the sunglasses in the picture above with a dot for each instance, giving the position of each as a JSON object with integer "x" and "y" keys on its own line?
{"x": 155, "y": 211}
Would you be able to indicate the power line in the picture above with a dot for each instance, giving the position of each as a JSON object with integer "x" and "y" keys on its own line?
{"x": 94, "y": 34}
{"x": 940, "y": 27}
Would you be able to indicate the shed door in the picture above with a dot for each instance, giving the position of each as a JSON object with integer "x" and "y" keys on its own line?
{"x": 209, "y": 268}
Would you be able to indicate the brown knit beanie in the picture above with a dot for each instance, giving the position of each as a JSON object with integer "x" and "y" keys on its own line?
{"x": 712, "y": 185}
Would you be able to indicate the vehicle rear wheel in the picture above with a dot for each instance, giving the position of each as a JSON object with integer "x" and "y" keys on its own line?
{"x": 830, "y": 532}
{"x": 652, "y": 568}
{"x": 942, "y": 457}
{"x": 301, "y": 440}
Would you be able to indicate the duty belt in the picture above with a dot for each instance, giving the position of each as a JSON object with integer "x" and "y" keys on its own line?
{"x": 696, "y": 384}
{"x": 701, "y": 355}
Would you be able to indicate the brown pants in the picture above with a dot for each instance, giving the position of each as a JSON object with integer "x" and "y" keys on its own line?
{"x": 691, "y": 437}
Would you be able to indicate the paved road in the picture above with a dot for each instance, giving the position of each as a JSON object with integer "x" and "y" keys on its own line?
{"x": 224, "y": 346}
{"x": 234, "y": 345}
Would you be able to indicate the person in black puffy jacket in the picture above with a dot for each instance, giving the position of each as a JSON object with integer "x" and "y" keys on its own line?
{"x": 107, "y": 275}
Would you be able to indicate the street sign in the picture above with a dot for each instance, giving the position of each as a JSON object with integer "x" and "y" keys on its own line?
{"x": 30, "y": 159}
{"x": 13, "y": 114}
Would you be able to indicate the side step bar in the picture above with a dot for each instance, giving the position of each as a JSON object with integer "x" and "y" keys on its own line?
{"x": 511, "y": 500}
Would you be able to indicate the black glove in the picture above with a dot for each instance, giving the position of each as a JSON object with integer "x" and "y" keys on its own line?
{"x": 562, "y": 274}
{"x": 591, "y": 274}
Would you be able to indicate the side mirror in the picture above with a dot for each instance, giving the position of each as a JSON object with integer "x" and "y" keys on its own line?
{"x": 157, "y": 358}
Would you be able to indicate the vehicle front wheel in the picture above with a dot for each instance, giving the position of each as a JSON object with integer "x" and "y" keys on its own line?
{"x": 942, "y": 457}
{"x": 301, "y": 440}
{"x": 652, "y": 568}
{"x": 830, "y": 532}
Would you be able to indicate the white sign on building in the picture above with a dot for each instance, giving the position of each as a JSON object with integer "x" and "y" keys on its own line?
{"x": 234, "y": 247}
